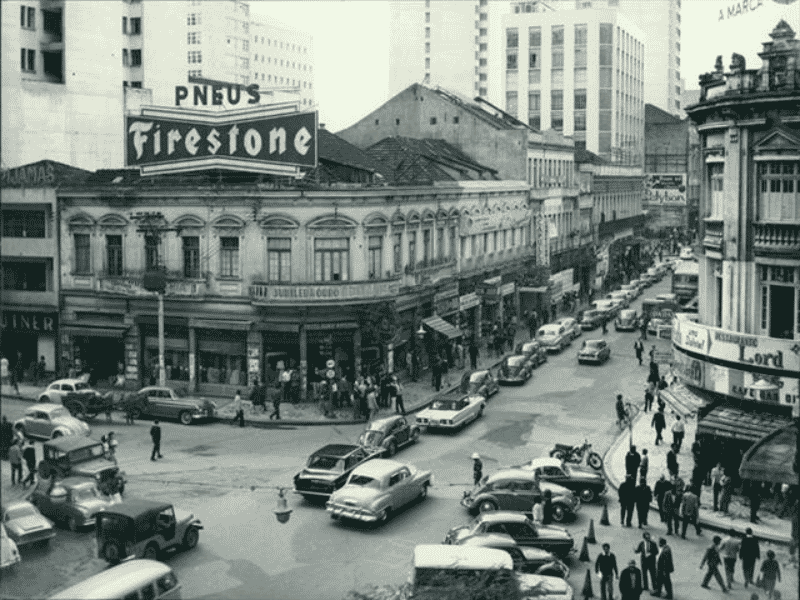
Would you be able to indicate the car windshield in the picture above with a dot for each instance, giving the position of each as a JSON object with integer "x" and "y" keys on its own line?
{"x": 547, "y": 333}
{"x": 594, "y": 344}
{"x": 81, "y": 386}
{"x": 528, "y": 348}
{"x": 180, "y": 393}
{"x": 88, "y": 453}
{"x": 326, "y": 463}
{"x": 20, "y": 511}
{"x": 445, "y": 405}
{"x": 371, "y": 438}
{"x": 515, "y": 361}
{"x": 627, "y": 314}
{"x": 87, "y": 492}
{"x": 364, "y": 481}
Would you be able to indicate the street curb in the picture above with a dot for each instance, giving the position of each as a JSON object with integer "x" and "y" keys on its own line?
{"x": 614, "y": 482}
{"x": 298, "y": 423}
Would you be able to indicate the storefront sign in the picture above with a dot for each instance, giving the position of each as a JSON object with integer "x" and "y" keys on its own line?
{"x": 665, "y": 188}
{"x": 691, "y": 336}
{"x": 507, "y": 288}
{"x": 473, "y": 225}
{"x": 44, "y": 173}
{"x": 173, "y": 140}
{"x": 200, "y": 95}
{"x": 132, "y": 286}
{"x": 755, "y": 387}
{"x": 468, "y": 301}
{"x": 737, "y": 9}
{"x": 565, "y": 277}
{"x": 446, "y": 303}
{"x": 337, "y": 292}
{"x": 27, "y": 321}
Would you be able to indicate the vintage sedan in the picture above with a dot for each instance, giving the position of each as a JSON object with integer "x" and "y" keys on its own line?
{"x": 56, "y": 392}
{"x": 660, "y": 328}
{"x": 50, "y": 421}
{"x": 631, "y": 289}
{"x": 479, "y": 383}
{"x": 378, "y": 489}
{"x": 572, "y": 326}
{"x": 588, "y": 485}
{"x": 620, "y": 297}
{"x": 451, "y": 413}
{"x": 527, "y": 559}
{"x": 553, "y": 337}
{"x": 170, "y": 403}
{"x": 515, "y": 370}
{"x": 627, "y": 320}
{"x": 594, "y": 351}
{"x": 592, "y": 319}
{"x": 73, "y": 502}
{"x": 26, "y": 525}
{"x": 388, "y": 435}
{"x": 522, "y": 530}
{"x": 517, "y": 489}
{"x": 9, "y": 553}
{"x": 533, "y": 352}
{"x": 328, "y": 469}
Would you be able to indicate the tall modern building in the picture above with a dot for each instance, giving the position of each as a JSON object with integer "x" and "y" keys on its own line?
{"x": 576, "y": 71}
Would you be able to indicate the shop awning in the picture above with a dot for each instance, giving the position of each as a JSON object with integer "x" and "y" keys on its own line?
{"x": 693, "y": 303}
{"x": 220, "y": 324}
{"x": 736, "y": 424}
{"x": 439, "y": 325}
{"x": 772, "y": 458}
{"x": 88, "y": 330}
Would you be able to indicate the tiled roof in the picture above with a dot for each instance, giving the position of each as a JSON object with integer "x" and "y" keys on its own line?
{"x": 473, "y": 108}
{"x": 335, "y": 149}
{"x": 411, "y": 160}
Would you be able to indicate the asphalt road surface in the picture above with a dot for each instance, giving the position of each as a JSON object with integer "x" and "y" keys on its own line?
{"x": 227, "y": 477}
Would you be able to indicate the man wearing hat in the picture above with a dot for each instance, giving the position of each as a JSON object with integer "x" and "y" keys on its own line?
{"x": 630, "y": 582}
{"x": 477, "y": 468}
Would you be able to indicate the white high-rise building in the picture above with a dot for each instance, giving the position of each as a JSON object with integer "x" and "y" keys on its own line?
{"x": 580, "y": 72}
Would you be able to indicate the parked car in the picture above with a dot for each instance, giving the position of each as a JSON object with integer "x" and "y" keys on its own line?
{"x": 620, "y": 297}
{"x": 138, "y": 528}
{"x": 516, "y": 489}
{"x": 586, "y": 484}
{"x": 9, "y": 553}
{"x": 515, "y": 369}
{"x": 451, "y": 413}
{"x": 527, "y": 559}
{"x": 26, "y": 525}
{"x": 533, "y": 352}
{"x": 378, "y": 489}
{"x": 572, "y": 326}
{"x": 594, "y": 351}
{"x": 170, "y": 403}
{"x": 81, "y": 457}
{"x": 479, "y": 383}
{"x": 134, "y": 579}
{"x": 50, "y": 421}
{"x": 56, "y": 392}
{"x": 388, "y": 435}
{"x": 631, "y": 290}
{"x": 659, "y": 327}
{"x": 627, "y": 320}
{"x": 522, "y": 530}
{"x": 73, "y": 502}
{"x": 610, "y": 308}
{"x": 328, "y": 469}
{"x": 592, "y": 319}
{"x": 553, "y": 337}
{"x": 649, "y": 279}
{"x": 667, "y": 297}
{"x": 639, "y": 285}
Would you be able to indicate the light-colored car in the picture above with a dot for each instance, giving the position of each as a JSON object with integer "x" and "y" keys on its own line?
{"x": 452, "y": 413}
{"x": 533, "y": 352}
{"x": 659, "y": 328}
{"x": 527, "y": 559}
{"x": 667, "y": 297}
{"x": 26, "y": 525}
{"x": 73, "y": 502}
{"x": 609, "y": 307}
{"x": 639, "y": 285}
{"x": 514, "y": 370}
{"x": 627, "y": 320}
{"x": 50, "y": 421}
{"x": 58, "y": 390}
{"x": 630, "y": 289}
{"x": 9, "y": 553}
{"x": 553, "y": 337}
{"x": 168, "y": 403}
{"x": 594, "y": 351}
{"x": 388, "y": 435}
{"x": 378, "y": 489}
{"x": 587, "y": 485}
{"x": 572, "y": 326}
{"x": 620, "y": 297}
{"x": 479, "y": 383}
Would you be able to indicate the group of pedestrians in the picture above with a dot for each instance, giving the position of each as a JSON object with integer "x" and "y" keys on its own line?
{"x": 726, "y": 552}
{"x": 656, "y": 570}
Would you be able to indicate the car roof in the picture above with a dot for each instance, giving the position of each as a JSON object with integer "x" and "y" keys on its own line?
{"x": 75, "y": 482}
{"x": 596, "y": 341}
{"x": 503, "y": 516}
{"x": 44, "y": 407}
{"x": 475, "y": 375}
{"x": 378, "y": 467}
{"x": 134, "y": 507}
{"x": 565, "y": 320}
{"x": 71, "y": 442}
{"x": 628, "y": 311}
{"x": 383, "y": 424}
{"x": 16, "y": 503}
{"x": 437, "y": 556}
{"x": 545, "y": 462}
{"x": 516, "y": 358}
{"x": 130, "y": 575}
{"x": 529, "y": 345}
{"x": 510, "y": 474}
{"x": 337, "y": 450}
{"x": 550, "y": 327}
{"x": 72, "y": 381}
{"x": 490, "y": 539}
{"x": 155, "y": 387}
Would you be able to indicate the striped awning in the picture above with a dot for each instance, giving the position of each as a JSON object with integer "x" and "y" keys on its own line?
{"x": 773, "y": 458}
{"x": 439, "y": 325}
{"x": 733, "y": 423}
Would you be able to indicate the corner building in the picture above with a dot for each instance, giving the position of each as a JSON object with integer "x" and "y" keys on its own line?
{"x": 745, "y": 349}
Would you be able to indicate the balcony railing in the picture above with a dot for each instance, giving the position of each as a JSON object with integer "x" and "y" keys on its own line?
{"x": 777, "y": 238}
{"x": 328, "y": 292}
{"x": 431, "y": 263}
{"x": 713, "y": 236}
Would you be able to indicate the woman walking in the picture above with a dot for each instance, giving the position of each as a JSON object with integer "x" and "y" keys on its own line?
{"x": 770, "y": 574}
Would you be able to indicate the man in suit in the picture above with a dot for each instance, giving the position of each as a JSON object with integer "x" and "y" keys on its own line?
{"x": 647, "y": 550}
{"x": 689, "y": 509}
{"x": 749, "y": 552}
{"x": 712, "y": 559}
{"x": 664, "y": 569}
{"x": 155, "y": 435}
{"x": 630, "y": 582}
{"x": 606, "y": 567}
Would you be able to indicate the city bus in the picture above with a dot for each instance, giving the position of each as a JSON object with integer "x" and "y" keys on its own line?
{"x": 684, "y": 282}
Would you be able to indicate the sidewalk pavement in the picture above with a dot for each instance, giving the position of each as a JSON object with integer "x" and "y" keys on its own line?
{"x": 680, "y": 401}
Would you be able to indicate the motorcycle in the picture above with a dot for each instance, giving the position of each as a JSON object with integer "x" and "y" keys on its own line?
{"x": 577, "y": 454}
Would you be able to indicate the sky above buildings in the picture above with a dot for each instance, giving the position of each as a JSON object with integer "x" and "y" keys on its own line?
{"x": 351, "y": 44}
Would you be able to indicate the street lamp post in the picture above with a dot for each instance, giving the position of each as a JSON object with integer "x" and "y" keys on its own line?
{"x": 162, "y": 372}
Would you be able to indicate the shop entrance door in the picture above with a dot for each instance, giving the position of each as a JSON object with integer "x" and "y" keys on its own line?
{"x": 14, "y": 342}
{"x": 100, "y": 356}
{"x": 781, "y": 311}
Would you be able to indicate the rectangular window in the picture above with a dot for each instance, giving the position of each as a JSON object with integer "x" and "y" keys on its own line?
{"x": 229, "y": 256}
{"x": 512, "y": 62}
{"x": 191, "y": 257}
{"x": 605, "y": 56}
{"x": 580, "y": 77}
{"x": 580, "y": 120}
{"x": 83, "y": 255}
{"x": 114, "y": 255}
{"x": 125, "y": 25}
{"x": 427, "y": 32}
{"x": 375, "y": 258}
{"x": 606, "y": 33}
{"x": 440, "y": 243}
{"x": 24, "y": 223}
{"x": 279, "y": 259}
{"x": 136, "y": 58}
{"x": 397, "y": 252}
{"x": 193, "y": 37}
{"x": 558, "y": 35}
{"x": 512, "y": 103}
{"x": 426, "y": 246}
{"x": 27, "y": 17}
{"x": 716, "y": 174}
{"x": 412, "y": 248}
{"x": 779, "y": 191}
{"x": 136, "y": 25}
{"x": 535, "y": 122}
{"x": 512, "y": 38}
{"x": 534, "y": 37}
{"x": 557, "y": 78}
{"x": 534, "y": 102}
{"x": 558, "y": 58}
{"x": 580, "y": 57}
{"x": 581, "y": 35}
{"x": 152, "y": 260}
{"x": 580, "y": 99}
{"x": 557, "y": 100}
{"x": 332, "y": 259}
{"x": 193, "y": 19}
{"x": 605, "y": 99}
{"x": 27, "y": 60}
{"x": 126, "y": 61}
{"x": 453, "y": 237}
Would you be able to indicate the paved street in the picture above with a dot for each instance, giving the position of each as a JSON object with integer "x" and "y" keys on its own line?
{"x": 227, "y": 475}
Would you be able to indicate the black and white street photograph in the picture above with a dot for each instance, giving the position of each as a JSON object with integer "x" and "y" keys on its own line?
{"x": 399, "y": 299}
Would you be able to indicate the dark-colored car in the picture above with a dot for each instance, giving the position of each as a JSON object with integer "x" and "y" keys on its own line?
{"x": 169, "y": 403}
{"x": 144, "y": 529}
{"x": 527, "y": 559}
{"x": 479, "y": 383}
{"x": 594, "y": 351}
{"x": 588, "y": 485}
{"x": 517, "y": 489}
{"x": 534, "y": 352}
{"x": 388, "y": 435}
{"x": 73, "y": 456}
{"x": 73, "y": 502}
{"x": 627, "y": 320}
{"x": 522, "y": 530}
{"x": 515, "y": 370}
{"x": 328, "y": 469}
{"x": 592, "y": 319}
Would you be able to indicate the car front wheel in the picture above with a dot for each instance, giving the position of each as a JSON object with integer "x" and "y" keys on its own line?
{"x": 587, "y": 495}
{"x": 185, "y": 418}
{"x": 112, "y": 553}
{"x": 190, "y": 538}
{"x": 487, "y": 506}
{"x": 559, "y": 513}
{"x": 57, "y": 434}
